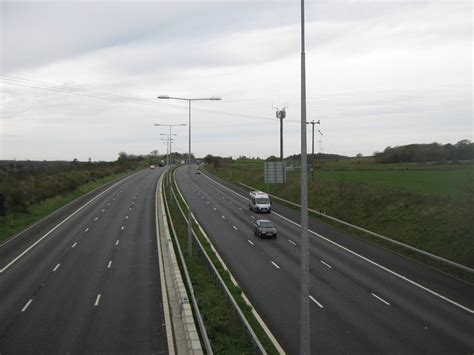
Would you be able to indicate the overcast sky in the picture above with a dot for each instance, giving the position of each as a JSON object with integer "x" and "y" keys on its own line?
{"x": 379, "y": 73}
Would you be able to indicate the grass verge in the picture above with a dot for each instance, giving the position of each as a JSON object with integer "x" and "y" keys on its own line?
{"x": 441, "y": 226}
{"x": 224, "y": 329}
{"x": 12, "y": 224}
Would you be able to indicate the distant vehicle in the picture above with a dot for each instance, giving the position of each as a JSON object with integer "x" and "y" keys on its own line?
{"x": 264, "y": 229}
{"x": 198, "y": 171}
{"x": 259, "y": 202}
{"x": 161, "y": 163}
{"x": 152, "y": 167}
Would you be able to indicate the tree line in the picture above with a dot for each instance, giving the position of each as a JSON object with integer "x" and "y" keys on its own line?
{"x": 433, "y": 152}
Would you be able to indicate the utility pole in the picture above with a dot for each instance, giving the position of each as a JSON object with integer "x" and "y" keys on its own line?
{"x": 312, "y": 123}
{"x": 281, "y": 114}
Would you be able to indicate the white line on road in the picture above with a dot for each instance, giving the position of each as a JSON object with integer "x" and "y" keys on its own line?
{"x": 467, "y": 309}
{"x": 96, "y": 218}
{"x": 108, "y": 203}
{"x": 110, "y": 264}
{"x": 314, "y": 300}
{"x": 207, "y": 202}
{"x": 292, "y": 242}
{"x": 130, "y": 208}
{"x": 97, "y": 300}
{"x": 74, "y": 245}
{"x": 116, "y": 243}
{"x": 275, "y": 264}
{"x": 234, "y": 227}
{"x": 122, "y": 228}
{"x": 240, "y": 208}
{"x": 326, "y": 264}
{"x": 126, "y": 217}
{"x": 250, "y": 242}
{"x": 252, "y": 217}
{"x": 56, "y": 267}
{"x": 380, "y": 299}
{"x": 214, "y": 208}
{"x": 223, "y": 217}
{"x": 86, "y": 230}
{"x": 26, "y": 305}
{"x": 103, "y": 210}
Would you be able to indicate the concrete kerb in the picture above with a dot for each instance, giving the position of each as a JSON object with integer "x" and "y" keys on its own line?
{"x": 184, "y": 333}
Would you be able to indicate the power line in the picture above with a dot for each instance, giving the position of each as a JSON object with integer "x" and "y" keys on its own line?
{"x": 13, "y": 80}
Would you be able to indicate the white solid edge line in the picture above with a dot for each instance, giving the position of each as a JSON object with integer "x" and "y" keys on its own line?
{"x": 314, "y": 300}
{"x": 59, "y": 224}
{"x": 97, "y": 300}
{"x": 250, "y": 242}
{"x": 109, "y": 265}
{"x": 292, "y": 242}
{"x": 326, "y": 264}
{"x": 434, "y": 293}
{"x": 275, "y": 264}
{"x": 56, "y": 267}
{"x": 26, "y": 305}
{"x": 380, "y": 299}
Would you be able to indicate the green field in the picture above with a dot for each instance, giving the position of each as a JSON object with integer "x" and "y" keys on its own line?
{"x": 438, "y": 180}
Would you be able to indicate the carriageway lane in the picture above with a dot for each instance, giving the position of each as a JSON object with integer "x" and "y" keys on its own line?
{"x": 368, "y": 309}
{"x": 93, "y": 284}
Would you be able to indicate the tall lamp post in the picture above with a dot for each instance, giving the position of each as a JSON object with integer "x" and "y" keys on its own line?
{"x": 213, "y": 98}
{"x": 170, "y": 125}
{"x": 304, "y": 290}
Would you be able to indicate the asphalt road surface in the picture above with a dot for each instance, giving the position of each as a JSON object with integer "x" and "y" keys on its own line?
{"x": 92, "y": 284}
{"x": 364, "y": 299}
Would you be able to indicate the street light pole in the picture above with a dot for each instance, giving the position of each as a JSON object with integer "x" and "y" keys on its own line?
{"x": 304, "y": 301}
{"x": 170, "y": 126}
{"x": 213, "y": 98}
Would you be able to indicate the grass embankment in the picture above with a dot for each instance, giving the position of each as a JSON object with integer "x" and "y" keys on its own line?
{"x": 15, "y": 222}
{"x": 442, "y": 225}
{"x": 224, "y": 329}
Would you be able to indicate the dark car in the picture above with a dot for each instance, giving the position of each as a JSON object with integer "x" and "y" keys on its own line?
{"x": 265, "y": 229}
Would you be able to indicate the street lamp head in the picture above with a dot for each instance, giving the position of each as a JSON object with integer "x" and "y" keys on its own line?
{"x": 215, "y": 98}
{"x": 164, "y": 97}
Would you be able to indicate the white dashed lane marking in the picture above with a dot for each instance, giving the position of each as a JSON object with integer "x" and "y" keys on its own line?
{"x": 234, "y": 227}
{"x": 275, "y": 264}
{"x": 117, "y": 242}
{"x": 223, "y": 217}
{"x": 122, "y": 228}
{"x": 292, "y": 242}
{"x": 326, "y": 264}
{"x": 252, "y": 217}
{"x": 96, "y": 218}
{"x": 314, "y": 300}
{"x": 97, "y": 300}
{"x": 74, "y": 245}
{"x": 86, "y": 230}
{"x": 109, "y": 265}
{"x": 250, "y": 242}
{"x": 380, "y": 299}
{"x": 26, "y": 305}
{"x": 56, "y": 267}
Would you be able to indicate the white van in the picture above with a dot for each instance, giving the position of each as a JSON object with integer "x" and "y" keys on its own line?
{"x": 259, "y": 202}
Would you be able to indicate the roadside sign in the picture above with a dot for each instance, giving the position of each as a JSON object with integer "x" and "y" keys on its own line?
{"x": 275, "y": 172}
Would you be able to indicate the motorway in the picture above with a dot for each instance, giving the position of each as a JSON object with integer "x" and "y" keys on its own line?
{"x": 364, "y": 299}
{"x": 90, "y": 285}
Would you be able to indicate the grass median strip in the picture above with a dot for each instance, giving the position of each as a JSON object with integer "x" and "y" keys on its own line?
{"x": 222, "y": 323}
